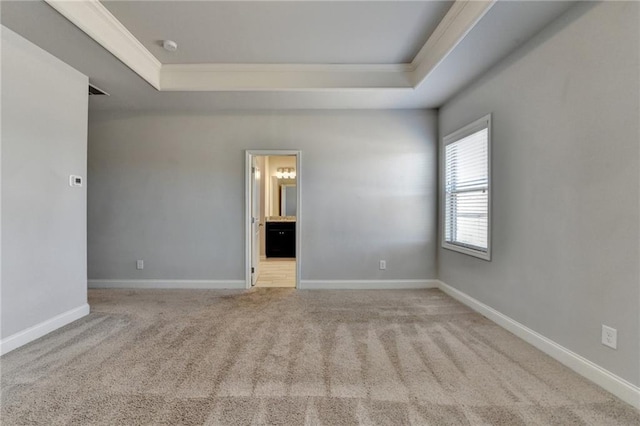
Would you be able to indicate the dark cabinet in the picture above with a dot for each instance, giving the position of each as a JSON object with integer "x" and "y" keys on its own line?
{"x": 281, "y": 239}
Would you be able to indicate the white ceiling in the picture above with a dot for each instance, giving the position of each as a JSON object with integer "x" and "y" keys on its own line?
{"x": 354, "y": 32}
{"x": 504, "y": 27}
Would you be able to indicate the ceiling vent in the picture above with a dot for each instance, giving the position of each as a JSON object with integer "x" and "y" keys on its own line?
{"x": 94, "y": 91}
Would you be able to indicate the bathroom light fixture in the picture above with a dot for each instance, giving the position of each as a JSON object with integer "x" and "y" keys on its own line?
{"x": 286, "y": 173}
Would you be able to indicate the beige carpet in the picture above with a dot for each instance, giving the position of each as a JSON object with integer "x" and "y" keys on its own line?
{"x": 277, "y": 356}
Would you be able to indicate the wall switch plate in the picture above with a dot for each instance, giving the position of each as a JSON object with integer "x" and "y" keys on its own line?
{"x": 609, "y": 337}
{"x": 139, "y": 264}
{"x": 383, "y": 264}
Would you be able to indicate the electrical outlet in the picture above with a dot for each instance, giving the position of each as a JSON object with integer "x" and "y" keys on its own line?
{"x": 139, "y": 264}
{"x": 383, "y": 264}
{"x": 609, "y": 337}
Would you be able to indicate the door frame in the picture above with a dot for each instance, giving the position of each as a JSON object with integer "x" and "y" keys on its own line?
{"x": 249, "y": 154}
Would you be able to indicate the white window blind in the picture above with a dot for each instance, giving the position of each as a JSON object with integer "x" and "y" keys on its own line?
{"x": 466, "y": 203}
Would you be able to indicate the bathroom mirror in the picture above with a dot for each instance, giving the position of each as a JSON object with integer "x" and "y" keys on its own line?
{"x": 288, "y": 199}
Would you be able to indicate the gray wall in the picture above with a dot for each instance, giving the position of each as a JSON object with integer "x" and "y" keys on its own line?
{"x": 565, "y": 184}
{"x": 44, "y": 140}
{"x": 169, "y": 189}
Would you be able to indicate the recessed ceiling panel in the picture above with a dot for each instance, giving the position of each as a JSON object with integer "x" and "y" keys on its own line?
{"x": 504, "y": 27}
{"x": 305, "y": 32}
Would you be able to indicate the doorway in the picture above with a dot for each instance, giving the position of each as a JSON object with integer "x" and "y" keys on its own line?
{"x": 272, "y": 219}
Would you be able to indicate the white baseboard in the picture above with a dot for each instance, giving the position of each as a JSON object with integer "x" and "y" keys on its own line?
{"x": 32, "y": 333}
{"x": 366, "y": 284}
{"x": 169, "y": 284}
{"x": 618, "y": 386}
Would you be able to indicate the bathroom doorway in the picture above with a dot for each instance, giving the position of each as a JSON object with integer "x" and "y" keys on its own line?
{"x": 272, "y": 218}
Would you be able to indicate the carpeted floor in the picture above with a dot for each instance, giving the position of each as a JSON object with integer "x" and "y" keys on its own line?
{"x": 281, "y": 356}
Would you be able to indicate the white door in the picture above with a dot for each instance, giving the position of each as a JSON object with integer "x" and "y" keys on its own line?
{"x": 255, "y": 219}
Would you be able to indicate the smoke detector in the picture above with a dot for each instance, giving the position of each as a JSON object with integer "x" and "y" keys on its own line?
{"x": 170, "y": 45}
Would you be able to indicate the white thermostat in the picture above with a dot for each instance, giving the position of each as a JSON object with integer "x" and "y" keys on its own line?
{"x": 75, "y": 180}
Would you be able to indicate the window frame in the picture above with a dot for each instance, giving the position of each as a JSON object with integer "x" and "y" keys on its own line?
{"x": 469, "y": 129}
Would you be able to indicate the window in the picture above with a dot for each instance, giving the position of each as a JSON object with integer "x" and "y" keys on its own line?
{"x": 467, "y": 190}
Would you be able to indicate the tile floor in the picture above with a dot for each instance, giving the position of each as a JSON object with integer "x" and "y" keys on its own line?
{"x": 277, "y": 272}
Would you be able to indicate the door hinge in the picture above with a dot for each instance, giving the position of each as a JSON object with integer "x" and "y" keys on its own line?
{"x": 253, "y": 270}
{"x": 253, "y": 170}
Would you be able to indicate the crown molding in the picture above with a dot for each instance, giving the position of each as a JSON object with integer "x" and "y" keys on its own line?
{"x": 284, "y": 77}
{"x": 97, "y": 22}
{"x": 358, "y": 68}
{"x": 456, "y": 24}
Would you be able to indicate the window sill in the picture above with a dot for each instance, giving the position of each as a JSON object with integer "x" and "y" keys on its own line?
{"x": 470, "y": 252}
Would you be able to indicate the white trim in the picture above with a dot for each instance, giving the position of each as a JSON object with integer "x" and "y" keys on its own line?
{"x": 169, "y": 284}
{"x": 454, "y": 27}
{"x": 321, "y": 68}
{"x": 99, "y": 24}
{"x": 367, "y": 284}
{"x": 248, "y": 214}
{"x": 618, "y": 386}
{"x": 298, "y": 216}
{"x": 247, "y": 208}
{"x": 35, "y": 332}
{"x": 479, "y": 124}
{"x": 284, "y": 77}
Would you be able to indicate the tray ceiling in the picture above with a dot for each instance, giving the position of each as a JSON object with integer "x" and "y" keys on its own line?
{"x": 504, "y": 27}
{"x": 446, "y": 29}
{"x": 291, "y": 32}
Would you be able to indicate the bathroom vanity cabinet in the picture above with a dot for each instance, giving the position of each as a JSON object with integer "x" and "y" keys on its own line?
{"x": 280, "y": 239}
